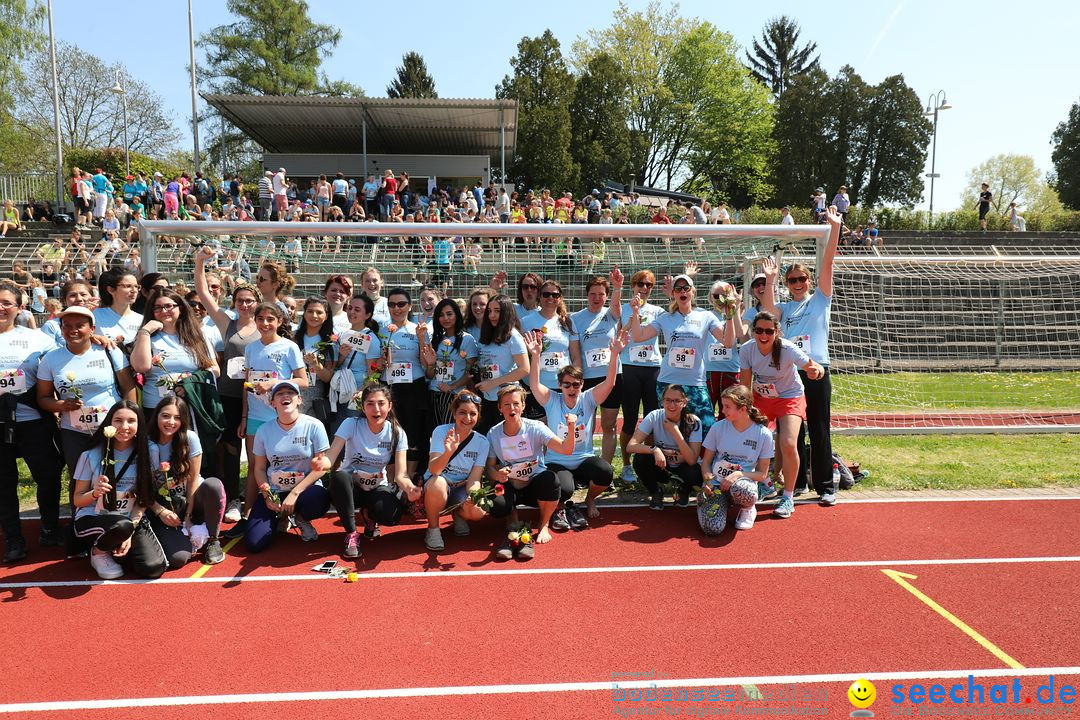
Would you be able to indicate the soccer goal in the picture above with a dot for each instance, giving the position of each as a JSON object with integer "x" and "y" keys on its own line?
{"x": 923, "y": 339}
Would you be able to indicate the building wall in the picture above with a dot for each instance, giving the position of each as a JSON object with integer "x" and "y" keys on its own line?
{"x": 438, "y": 166}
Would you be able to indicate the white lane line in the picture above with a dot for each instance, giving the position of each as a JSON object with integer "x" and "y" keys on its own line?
{"x": 607, "y": 685}
{"x": 553, "y": 571}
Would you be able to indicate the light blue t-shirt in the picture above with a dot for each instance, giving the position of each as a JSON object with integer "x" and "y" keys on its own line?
{"x": 770, "y": 381}
{"x": 51, "y": 329}
{"x": 555, "y": 353}
{"x": 474, "y": 455}
{"x": 108, "y": 323}
{"x": 289, "y": 452}
{"x": 497, "y": 360}
{"x": 404, "y": 360}
{"x": 524, "y": 452}
{"x": 806, "y": 324}
{"x": 442, "y": 248}
{"x": 595, "y": 333}
{"x": 358, "y": 362}
{"x": 523, "y": 313}
{"x": 175, "y": 359}
{"x": 20, "y": 350}
{"x": 732, "y": 447}
{"x": 646, "y": 354}
{"x": 585, "y": 410}
{"x": 89, "y": 468}
{"x": 451, "y": 362}
{"x": 163, "y": 453}
{"x": 687, "y": 338}
{"x": 381, "y": 314}
{"x": 719, "y": 357}
{"x": 93, "y": 377}
{"x": 366, "y": 453}
{"x": 282, "y": 357}
{"x": 654, "y": 424}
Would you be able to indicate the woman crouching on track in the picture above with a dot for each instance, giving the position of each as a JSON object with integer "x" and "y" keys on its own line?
{"x": 582, "y": 467}
{"x": 287, "y": 467}
{"x": 672, "y": 457}
{"x": 735, "y": 464}
{"x": 112, "y": 492}
{"x": 181, "y": 497}
{"x": 456, "y": 465}
{"x": 367, "y": 445}
{"x": 516, "y": 461}
{"x": 770, "y": 366}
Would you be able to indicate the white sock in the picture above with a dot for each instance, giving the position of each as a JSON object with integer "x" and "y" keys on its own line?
{"x": 789, "y": 494}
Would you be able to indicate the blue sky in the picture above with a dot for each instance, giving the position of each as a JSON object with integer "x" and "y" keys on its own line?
{"x": 1002, "y": 65}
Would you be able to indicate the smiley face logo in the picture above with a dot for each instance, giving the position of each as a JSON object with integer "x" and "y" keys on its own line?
{"x": 862, "y": 694}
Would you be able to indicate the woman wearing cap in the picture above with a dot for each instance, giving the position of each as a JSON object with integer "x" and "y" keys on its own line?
{"x": 448, "y": 358}
{"x": 640, "y": 367}
{"x": 723, "y": 362}
{"x": 805, "y": 320}
{"x": 688, "y": 333}
{"x": 598, "y": 324}
{"x": 287, "y": 467}
{"x": 455, "y": 466}
{"x": 74, "y": 293}
{"x": 503, "y": 358}
{"x": 114, "y": 318}
{"x": 169, "y": 344}
{"x": 516, "y": 462}
{"x": 769, "y": 365}
{"x": 552, "y": 326}
{"x": 672, "y": 455}
{"x": 367, "y": 446}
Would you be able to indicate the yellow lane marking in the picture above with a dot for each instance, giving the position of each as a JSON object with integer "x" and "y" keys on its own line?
{"x": 205, "y": 568}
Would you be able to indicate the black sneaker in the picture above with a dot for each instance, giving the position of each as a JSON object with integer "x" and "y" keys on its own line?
{"x": 75, "y": 546}
{"x": 525, "y": 552}
{"x": 16, "y": 550}
{"x": 50, "y": 537}
{"x": 371, "y": 528}
{"x": 236, "y": 530}
{"x": 559, "y": 522}
{"x": 212, "y": 552}
{"x": 682, "y": 498}
{"x": 656, "y": 502}
{"x": 575, "y": 517}
{"x": 505, "y": 551}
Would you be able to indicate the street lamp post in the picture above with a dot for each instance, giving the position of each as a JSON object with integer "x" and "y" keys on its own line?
{"x": 933, "y": 105}
{"x": 118, "y": 89}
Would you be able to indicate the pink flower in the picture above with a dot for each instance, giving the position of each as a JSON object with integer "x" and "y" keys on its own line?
{"x": 166, "y": 467}
{"x": 500, "y": 490}
{"x": 334, "y": 338}
{"x": 392, "y": 327}
{"x": 155, "y": 360}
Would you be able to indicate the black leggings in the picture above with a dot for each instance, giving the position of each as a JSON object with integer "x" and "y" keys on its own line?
{"x": 817, "y": 457}
{"x": 411, "y": 403}
{"x": 382, "y": 503}
{"x": 35, "y": 441}
{"x": 108, "y": 531}
{"x": 489, "y": 416}
{"x": 592, "y": 471}
{"x": 638, "y": 389}
{"x": 209, "y": 502}
{"x": 543, "y": 487}
{"x": 687, "y": 476}
{"x": 230, "y": 445}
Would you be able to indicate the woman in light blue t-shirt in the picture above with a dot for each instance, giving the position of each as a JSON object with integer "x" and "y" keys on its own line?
{"x": 672, "y": 455}
{"x": 503, "y": 357}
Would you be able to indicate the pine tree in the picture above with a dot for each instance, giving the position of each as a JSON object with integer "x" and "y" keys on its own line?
{"x": 413, "y": 79}
{"x": 781, "y": 60}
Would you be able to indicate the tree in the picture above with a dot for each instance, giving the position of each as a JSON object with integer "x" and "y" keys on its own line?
{"x": 892, "y": 154}
{"x": 1012, "y": 178}
{"x": 803, "y": 134}
{"x": 600, "y": 141}
{"x": 778, "y": 60}
{"x": 544, "y": 89}
{"x": 1066, "y": 159}
{"x": 91, "y": 115}
{"x": 413, "y": 80}
{"x": 20, "y": 36}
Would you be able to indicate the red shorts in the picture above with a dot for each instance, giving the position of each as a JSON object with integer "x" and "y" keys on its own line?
{"x": 776, "y": 408}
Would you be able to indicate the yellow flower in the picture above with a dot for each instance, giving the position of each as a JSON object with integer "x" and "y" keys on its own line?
{"x": 70, "y": 376}
{"x": 526, "y": 538}
{"x": 352, "y": 577}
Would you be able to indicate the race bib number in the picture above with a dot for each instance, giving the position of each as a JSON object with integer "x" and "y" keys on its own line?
{"x": 235, "y": 368}
{"x": 258, "y": 377}
{"x": 682, "y": 358}
{"x": 643, "y": 353}
{"x": 719, "y": 353}
{"x": 444, "y": 371}
{"x": 124, "y": 504}
{"x": 766, "y": 389}
{"x": 367, "y": 481}
{"x": 87, "y": 418}
{"x": 521, "y": 473}
{"x": 672, "y": 456}
{"x": 598, "y": 357}
{"x": 359, "y": 341}
{"x": 12, "y": 381}
{"x": 721, "y": 469}
{"x": 579, "y": 432}
{"x": 489, "y": 372}
{"x": 802, "y": 342}
{"x": 400, "y": 373}
{"x": 285, "y": 481}
{"x": 552, "y": 360}
{"x": 516, "y": 448}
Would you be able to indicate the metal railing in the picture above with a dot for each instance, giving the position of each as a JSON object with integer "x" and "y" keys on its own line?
{"x": 22, "y": 187}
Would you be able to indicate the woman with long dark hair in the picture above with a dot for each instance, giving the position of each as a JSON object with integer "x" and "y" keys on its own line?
{"x": 671, "y": 457}
{"x": 455, "y": 466}
{"x": 448, "y": 358}
{"x": 503, "y": 356}
{"x": 359, "y": 351}
{"x": 405, "y": 373}
{"x": 561, "y": 346}
{"x": 474, "y": 313}
{"x": 117, "y": 291}
{"x": 315, "y": 337}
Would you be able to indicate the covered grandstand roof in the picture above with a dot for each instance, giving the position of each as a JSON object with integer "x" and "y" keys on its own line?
{"x": 290, "y": 124}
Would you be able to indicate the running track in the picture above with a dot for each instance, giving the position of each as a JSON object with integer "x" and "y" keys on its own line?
{"x": 456, "y": 635}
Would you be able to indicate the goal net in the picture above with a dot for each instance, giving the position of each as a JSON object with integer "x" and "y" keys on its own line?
{"x": 923, "y": 339}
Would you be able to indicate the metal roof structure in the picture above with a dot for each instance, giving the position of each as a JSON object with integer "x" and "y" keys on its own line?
{"x": 291, "y": 124}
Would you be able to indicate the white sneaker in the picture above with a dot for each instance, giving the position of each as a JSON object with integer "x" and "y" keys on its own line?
{"x": 745, "y": 519}
{"x": 105, "y": 566}
{"x": 232, "y": 511}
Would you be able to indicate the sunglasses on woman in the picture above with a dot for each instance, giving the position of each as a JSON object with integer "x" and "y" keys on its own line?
{"x": 764, "y": 331}
{"x": 548, "y": 294}
{"x": 797, "y": 280}
{"x": 398, "y": 305}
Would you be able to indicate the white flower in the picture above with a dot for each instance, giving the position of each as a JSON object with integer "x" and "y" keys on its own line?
{"x": 109, "y": 431}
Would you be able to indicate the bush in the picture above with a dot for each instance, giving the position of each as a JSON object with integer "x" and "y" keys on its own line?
{"x": 903, "y": 219}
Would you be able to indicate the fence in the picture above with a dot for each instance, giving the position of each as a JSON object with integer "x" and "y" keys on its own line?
{"x": 21, "y": 187}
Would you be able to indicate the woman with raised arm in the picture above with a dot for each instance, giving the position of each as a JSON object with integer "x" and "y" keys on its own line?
{"x": 552, "y": 326}
{"x": 805, "y": 319}
{"x": 722, "y": 363}
{"x": 582, "y": 467}
{"x": 769, "y": 365}
{"x": 503, "y": 357}
{"x": 597, "y": 325}
{"x": 671, "y": 457}
{"x": 367, "y": 446}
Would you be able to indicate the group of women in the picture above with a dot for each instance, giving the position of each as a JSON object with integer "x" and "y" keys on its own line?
{"x": 377, "y": 405}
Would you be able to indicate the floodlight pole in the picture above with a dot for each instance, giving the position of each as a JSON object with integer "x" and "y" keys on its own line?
{"x": 933, "y": 105}
{"x": 194, "y": 107}
{"x": 56, "y": 116}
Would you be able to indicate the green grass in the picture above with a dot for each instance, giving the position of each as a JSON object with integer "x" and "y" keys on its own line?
{"x": 905, "y": 391}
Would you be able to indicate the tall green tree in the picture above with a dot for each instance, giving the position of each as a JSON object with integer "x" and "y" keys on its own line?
{"x": 1066, "y": 158}
{"x": 544, "y": 88}
{"x": 413, "y": 79}
{"x": 803, "y": 133}
{"x": 1012, "y": 178}
{"x": 893, "y": 154}
{"x": 778, "y": 59}
{"x": 20, "y": 36}
{"x": 600, "y": 141}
